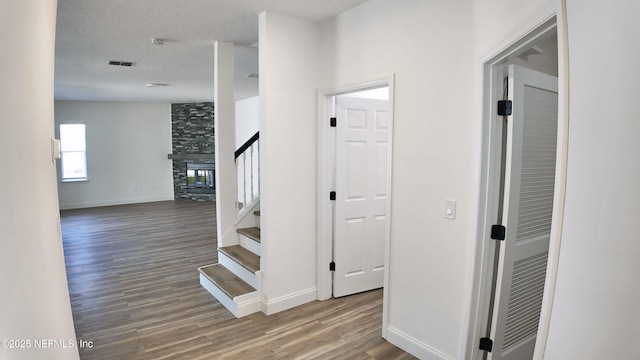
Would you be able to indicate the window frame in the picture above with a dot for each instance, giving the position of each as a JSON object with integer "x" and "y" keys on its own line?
{"x": 83, "y": 152}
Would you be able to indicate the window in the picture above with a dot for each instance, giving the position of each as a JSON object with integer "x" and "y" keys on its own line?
{"x": 73, "y": 152}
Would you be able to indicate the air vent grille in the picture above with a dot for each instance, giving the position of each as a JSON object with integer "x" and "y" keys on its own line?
{"x": 121, "y": 63}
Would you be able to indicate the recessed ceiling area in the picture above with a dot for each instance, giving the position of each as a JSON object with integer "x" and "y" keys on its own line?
{"x": 90, "y": 33}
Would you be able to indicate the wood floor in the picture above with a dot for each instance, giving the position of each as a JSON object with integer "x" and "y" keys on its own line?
{"x": 135, "y": 294}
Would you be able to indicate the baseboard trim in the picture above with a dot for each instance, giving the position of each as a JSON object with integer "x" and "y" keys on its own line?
{"x": 248, "y": 304}
{"x": 82, "y": 205}
{"x": 414, "y": 346}
{"x": 288, "y": 301}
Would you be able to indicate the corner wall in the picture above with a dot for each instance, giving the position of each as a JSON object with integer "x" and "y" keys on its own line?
{"x": 595, "y": 312}
{"x": 34, "y": 300}
{"x": 127, "y": 148}
{"x": 247, "y": 119}
{"x": 436, "y": 51}
{"x": 427, "y": 46}
{"x": 288, "y": 82}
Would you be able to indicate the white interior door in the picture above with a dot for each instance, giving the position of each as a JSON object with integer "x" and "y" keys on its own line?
{"x": 361, "y": 186}
{"x": 528, "y": 205}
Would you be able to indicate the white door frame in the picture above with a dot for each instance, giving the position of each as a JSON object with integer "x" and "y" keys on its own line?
{"x": 553, "y": 16}
{"x": 325, "y": 168}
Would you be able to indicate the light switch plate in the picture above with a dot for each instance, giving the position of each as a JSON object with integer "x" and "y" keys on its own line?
{"x": 55, "y": 149}
{"x": 450, "y": 209}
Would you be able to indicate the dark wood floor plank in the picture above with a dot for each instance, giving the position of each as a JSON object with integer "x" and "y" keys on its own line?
{"x": 135, "y": 292}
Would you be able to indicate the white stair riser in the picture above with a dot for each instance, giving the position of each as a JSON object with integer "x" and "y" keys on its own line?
{"x": 249, "y": 244}
{"x": 213, "y": 289}
{"x": 240, "y": 306}
{"x": 240, "y": 271}
{"x": 257, "y": 220}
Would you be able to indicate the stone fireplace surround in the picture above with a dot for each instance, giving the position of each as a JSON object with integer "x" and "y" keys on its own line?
{"x": 192, "y": 142}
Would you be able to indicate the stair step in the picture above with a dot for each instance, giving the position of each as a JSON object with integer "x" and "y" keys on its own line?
{"x": 226, "y": 281}
{"x": 252, "y": 233}
{"x": 242, "y": 256}
{"x": 256, "y": 213}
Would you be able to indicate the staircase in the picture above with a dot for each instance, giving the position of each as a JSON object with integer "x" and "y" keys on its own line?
{"x": 235, "y": 279}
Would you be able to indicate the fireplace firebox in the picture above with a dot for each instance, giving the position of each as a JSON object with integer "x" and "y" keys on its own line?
{"x": 200, "y": 178}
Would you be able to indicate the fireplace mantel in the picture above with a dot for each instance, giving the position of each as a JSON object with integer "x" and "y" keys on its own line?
{"x": 191, "y": 156}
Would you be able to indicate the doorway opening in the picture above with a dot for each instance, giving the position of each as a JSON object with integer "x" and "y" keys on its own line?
{"x": 361, "y": 146}
{"x": 354, "y": 164}
{"x": 521, "y": 182}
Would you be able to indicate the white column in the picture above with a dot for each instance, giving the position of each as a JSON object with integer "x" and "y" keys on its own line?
{"x": 225, "y": 128}
{"x": 288, "y": 95}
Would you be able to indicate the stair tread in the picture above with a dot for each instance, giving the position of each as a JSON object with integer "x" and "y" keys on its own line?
{"x": 252, "y": 233}
{"x": 257, "y": 213}
{"x": 242, "y": 256}
{"x": 226, "y": 281}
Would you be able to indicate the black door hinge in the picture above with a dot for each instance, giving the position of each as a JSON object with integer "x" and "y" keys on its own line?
{"x": 505, "y": 107}
{"x": 486, "y": 344}
{"x": 333, "y": 122}
{"x": 498, "y": 232}
{"x": 332, "y": 266}
{"x": 332, "y": 195}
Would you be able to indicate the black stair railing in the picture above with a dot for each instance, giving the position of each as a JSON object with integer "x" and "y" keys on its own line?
{"x": 247, "y": 160}
{"x": 247, "y": 144}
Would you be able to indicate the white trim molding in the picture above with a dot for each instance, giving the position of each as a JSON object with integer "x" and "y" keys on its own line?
{"x": 289, "y": 301}
{"x": 561, "y": 180}
{"x": 414, "y": 346}
{"x": 550, "y": 17}
{"x": 125, "y": 201}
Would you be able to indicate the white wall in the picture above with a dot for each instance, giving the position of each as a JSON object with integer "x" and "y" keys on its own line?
{"x": 127, "y": 147}
{"x": 34, "y": 300}
{"x": 436, "y": 51}
{"x": 247, "y": 119}
{"x": 288, "y": 78}
{"x": 595, "y": 312}
{"x": 427, "y": 45}
{"x": 224, "y": 129}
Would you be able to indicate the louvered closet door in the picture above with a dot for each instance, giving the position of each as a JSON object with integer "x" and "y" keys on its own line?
{"x": 529, "y": 186}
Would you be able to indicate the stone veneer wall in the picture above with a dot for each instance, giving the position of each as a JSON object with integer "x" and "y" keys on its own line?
{"x": 192, "y": 142}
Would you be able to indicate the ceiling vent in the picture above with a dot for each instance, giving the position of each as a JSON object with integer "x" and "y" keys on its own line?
{"x": 121, "y": 63}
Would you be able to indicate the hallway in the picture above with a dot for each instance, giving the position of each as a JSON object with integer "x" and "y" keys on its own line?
{"x": 133, "y": 281}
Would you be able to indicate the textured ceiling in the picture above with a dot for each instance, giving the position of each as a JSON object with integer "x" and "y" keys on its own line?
{"x": 92, "y": 32}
